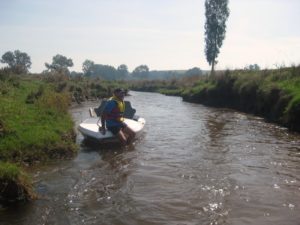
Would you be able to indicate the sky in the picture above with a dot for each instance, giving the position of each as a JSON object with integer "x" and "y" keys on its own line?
{"x": 162, "y": 34}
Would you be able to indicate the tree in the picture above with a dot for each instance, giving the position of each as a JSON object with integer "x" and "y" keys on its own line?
{"x": 194, "y": 72}
{"x": 141, "y": 72}
{"x": 254, "y": 67}
{"x": 76, "y": 74}
{"x": 19, "y": 62}
{"x": 122, "y": 71}
{"x": 216, "y": 13}
{"x": 88, "y": 67}
{"x": 106, "y": 72}
{"x": 59, "y": 64}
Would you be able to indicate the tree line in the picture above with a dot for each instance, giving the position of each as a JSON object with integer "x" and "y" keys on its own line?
{"x": 20, "y": 62}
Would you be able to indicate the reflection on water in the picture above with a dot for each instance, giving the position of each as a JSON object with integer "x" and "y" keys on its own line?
{"x": 192, "y": 165}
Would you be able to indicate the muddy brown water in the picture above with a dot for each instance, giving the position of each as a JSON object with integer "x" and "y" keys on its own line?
{"x": 191, "y": 165}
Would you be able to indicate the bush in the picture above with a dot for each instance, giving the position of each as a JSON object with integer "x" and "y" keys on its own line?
{"x": 33, "y": 96}
{"x": 53, "y": 101}
{"x": 54, "y": 77}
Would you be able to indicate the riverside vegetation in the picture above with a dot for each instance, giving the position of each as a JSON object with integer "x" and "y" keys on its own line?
{"x": 272, "y": 94}
{"x": 35, "y": 125}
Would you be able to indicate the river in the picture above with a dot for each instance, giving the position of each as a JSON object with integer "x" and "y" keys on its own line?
{"x": 191, "y": 165}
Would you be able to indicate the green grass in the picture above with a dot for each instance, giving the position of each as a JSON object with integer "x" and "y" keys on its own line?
{"x": 288, "y": 80}
{"x": 15, "y": 185}
{"x": 202, "y": 85}
{"x": 9, "y": 171}
{"x": 35, "y": 126}
{"x": 31, "y": 130}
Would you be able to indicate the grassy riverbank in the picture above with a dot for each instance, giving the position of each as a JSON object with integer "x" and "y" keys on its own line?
{"x": 82, "y": 88}
{"x": 35, "y": 126}
{"x": 272, "y": 94}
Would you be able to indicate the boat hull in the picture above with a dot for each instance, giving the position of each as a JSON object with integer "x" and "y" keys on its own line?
{"x": 90, "y": 129}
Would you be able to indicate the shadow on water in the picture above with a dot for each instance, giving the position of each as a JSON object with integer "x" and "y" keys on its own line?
{"x": 108, "y": 151}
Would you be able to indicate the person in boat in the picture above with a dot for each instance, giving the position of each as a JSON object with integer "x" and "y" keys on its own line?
{"x": 112, "y": 118}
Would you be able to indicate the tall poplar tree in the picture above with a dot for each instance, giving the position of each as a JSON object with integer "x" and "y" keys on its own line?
{"x": 216, "y": 13}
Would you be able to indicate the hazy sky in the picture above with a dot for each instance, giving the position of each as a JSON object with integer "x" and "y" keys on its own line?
{"x": 163, "y": 34}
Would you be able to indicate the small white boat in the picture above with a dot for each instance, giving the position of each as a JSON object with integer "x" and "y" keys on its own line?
{"x": 90, "y": 129}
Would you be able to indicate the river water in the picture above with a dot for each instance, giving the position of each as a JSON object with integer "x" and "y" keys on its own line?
{"x": 191, "y": 165}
